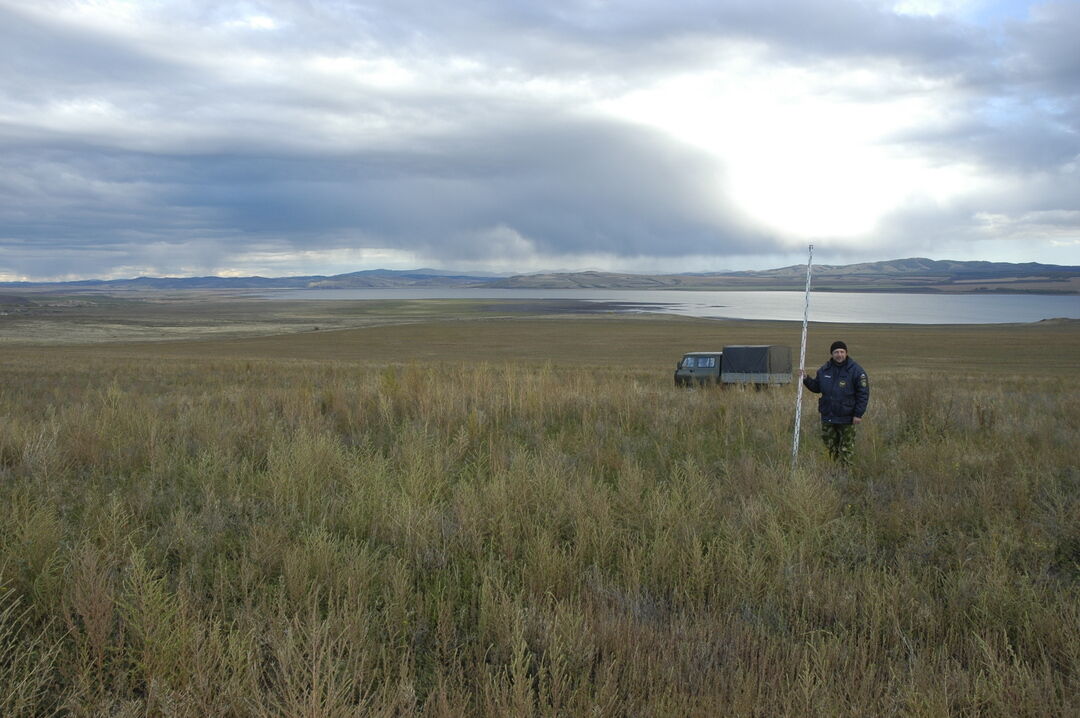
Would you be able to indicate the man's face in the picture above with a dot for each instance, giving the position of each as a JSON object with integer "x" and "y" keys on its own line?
{"x": 839, "y": 355}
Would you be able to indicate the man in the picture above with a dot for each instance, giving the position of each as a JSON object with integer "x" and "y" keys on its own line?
{"x": 845, "y": 392}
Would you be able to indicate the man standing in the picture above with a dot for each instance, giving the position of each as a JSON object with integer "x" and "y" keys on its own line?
{"x": 845, "y": 392}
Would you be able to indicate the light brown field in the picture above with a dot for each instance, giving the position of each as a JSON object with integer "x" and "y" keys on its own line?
{"x": 535, "y": 332}
{"x": 458, "y": 511}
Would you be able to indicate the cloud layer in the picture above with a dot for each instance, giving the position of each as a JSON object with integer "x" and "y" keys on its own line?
{"x": 282, "y": 137}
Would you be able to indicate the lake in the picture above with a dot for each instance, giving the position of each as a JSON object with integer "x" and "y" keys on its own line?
{"x": 843, "y": 307}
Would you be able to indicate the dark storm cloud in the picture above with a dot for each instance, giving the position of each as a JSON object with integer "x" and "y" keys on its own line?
{"x": 555, "y": 184}
{"x": 246, "y": 166}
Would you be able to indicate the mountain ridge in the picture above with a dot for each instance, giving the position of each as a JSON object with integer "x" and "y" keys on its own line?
{"x": 909, "y": 274}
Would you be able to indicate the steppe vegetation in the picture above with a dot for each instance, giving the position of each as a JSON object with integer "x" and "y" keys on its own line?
{"x": 382, "y": 522}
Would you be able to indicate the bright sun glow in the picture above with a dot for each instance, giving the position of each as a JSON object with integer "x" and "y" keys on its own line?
{"x": 797, "y": 156}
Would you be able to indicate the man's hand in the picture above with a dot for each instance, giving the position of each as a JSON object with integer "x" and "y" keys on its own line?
{"x": 856, "y": 420}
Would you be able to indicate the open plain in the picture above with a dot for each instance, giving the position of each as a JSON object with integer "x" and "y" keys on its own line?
{"x": 218, "y": 506}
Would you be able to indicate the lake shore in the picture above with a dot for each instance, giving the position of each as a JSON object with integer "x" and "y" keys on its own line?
{"x": 536, "y": 333}
{"x": 186, "y": 316}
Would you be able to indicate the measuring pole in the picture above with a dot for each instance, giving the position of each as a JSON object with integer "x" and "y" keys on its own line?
{"x": 802, "y": 364}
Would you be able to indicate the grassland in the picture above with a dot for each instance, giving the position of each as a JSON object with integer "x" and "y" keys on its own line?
{"x": 469, "y": 513}
{"x": 94, "y": 318}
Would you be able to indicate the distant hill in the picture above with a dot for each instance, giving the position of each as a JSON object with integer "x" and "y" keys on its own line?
{"x": 170, "y": 283}
{"x": 921, "y": 267}
{"x": 387, "y": 278}
{"x": 371, "y": 278}
{"x": 592, "y": 280}
{"x": 898, "y": 275}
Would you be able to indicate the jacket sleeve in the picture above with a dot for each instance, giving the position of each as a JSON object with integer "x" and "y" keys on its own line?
{"x": 812, "y": 384}
{"x": 862, "y": 392}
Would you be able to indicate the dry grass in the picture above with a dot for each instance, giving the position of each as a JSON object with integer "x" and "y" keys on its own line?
{"x": 455, "y": 333}
{"x": 219, "y": 534}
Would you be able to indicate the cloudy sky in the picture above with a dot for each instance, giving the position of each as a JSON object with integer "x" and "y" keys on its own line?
{"x": 281, "y": 137}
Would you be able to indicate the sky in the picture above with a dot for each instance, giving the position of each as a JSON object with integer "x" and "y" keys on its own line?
{"x": 298, "y": 137}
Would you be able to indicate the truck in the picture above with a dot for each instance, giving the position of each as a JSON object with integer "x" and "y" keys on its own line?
{"x": 759, "y": 365}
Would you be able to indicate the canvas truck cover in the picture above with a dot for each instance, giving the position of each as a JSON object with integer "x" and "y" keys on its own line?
{"x": 756, "y": 364}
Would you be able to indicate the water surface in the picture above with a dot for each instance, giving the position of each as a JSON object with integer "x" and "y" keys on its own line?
{"x": 846, "y": 307}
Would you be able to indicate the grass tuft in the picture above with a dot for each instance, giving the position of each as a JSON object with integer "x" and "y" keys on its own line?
{"x": 219, "y": 537}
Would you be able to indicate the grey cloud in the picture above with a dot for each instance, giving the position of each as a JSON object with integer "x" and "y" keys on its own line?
{"x": 1016, "y": 115}
{"x": 1045, "y": 52}
{"x": 47, "y": 59}
{"x": 615, "y": 189}
{"x": 1027, "y": 142}
{"x": 207, "y": 160}
{"x": 1044, "y": 207}
{"x": 571, "y": 36}
{"x": 1022, "y": 109}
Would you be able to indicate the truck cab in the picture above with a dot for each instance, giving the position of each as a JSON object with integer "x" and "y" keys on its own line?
{"x": 699, "y": 368}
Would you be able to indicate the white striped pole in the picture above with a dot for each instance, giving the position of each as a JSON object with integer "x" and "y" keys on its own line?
{"x": 802, "y": 364}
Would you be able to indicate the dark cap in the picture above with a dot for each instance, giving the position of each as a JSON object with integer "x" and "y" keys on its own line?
{"x": 837, "y": 345}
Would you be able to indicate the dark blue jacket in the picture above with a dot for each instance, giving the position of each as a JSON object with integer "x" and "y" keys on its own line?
{"x": 844, "y": 390}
